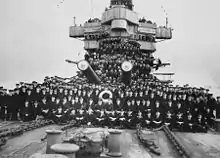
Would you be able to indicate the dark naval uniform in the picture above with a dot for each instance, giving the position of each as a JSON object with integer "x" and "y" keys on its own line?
{"x": 26, "y": 112}
{"x": 168, "y": 120}
{"x": 157, "y": 120}
{"x": 147, "y": 120}
{"x": 189, "y": 123}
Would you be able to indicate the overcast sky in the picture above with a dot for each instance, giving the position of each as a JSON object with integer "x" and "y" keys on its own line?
{"x": 34, "y": 39}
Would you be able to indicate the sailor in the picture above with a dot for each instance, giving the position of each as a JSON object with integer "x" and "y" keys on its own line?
{"x": 168, "y": 120}
{"x": 60, "y": 93}
{"x": 130, "y": 118}
{"x": 174, "y": 101}
{"x": 143, "y": 105}
{"x": 189, "y": 104}
{"x": 23, "y": 93}
{"x": 29, "y": 96}
{"x": 70, "y": 92}
{"x": 3, "y": 103}
{"x": 179, "y": 121}
{"x": 43, "y": 93}
{"x": 169, "y": 107}
{"x": 77, "y": 105}
{"x": 169, "y": 97}
{"x": 90, "y": 104}
{"x": 69, "y": 100}
{"x": 133, "y": 105}
{"x": 8, "y": 105}
{"x": 36, "y": 94}
{"x": 188, "y": 123}
{"x": 139, "y": 118}
{"x": 90, "y": 119}
{"x": 117, "y": 103}
{"x": 25, "y": 112}
{"x": 209, "y": 117}
{"x": 82, "y": 102}
{"x": 146, "y": 95}
{"x": 152, "y": 99}
{"x": 99, "y": 105}
{"x": 217, "y": 108}
{"x": 100, "y": 116}
{"x": 58, "y": 115}
{"x": 15, "y": 104}
{"x": 75, "y": 92}
{"x": 65, "y": 95}
{"x": 122, "y": 118}
{"x": 164, "y": 100}
{"x": 66, "y": 109}
{"x": 65, "y": 104}
{"x": 45, "y": 110}
{"x": 81, "y": 116}
{"x": 148, "y": 108}
{"x": 84, "y": 94}
{"x": 5, "y": 112}
{"x": 72, "y": 115}
{"x": 113, "y": 119}
{"x": 50, "y": 93}
{"x": 130, "y": 97}
{"x": 179, "y": 108}
{"x": 35, "y": 110}
{"x": 157, "y": 120}
{"x": 201, "y": 124}
{"x": 138, "y": 105}
{"x": 195, "y": 111}
{"x": 183, "y": 100}
{"x": 211, "y": 102}
{"x": 148, "y": 120}
{"x": 55, "y": 93}
{"x": 128, "y": 107}
{"x": 95, "y": 96}
{"x": 79, "y": 92}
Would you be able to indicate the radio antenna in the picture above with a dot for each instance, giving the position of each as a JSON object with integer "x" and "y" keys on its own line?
{"x": 166, "y": 15}
{"x": 61, "y": 2}
{"x": 91, "y": 7}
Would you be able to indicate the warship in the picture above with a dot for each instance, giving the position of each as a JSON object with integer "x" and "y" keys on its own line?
{"x": 119, "y": 61}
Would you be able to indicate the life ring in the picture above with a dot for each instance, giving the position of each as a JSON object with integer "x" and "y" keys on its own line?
{"x": 106, "y": 96}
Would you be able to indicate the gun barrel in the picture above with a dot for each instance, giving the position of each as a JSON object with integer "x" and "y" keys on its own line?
{"x": 90, "y": 74}
{"x": 71, "y": 62}
{"x": 126, "y": 72}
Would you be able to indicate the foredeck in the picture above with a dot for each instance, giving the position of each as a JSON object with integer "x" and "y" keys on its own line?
{"x": 200, "y": 145}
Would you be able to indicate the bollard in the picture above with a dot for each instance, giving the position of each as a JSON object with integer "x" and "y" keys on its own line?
{"x": 66, "y": 149}
{"x": 114, "y": 143}
{"x": 96, "y": 145}
{"x": 53, "y": 137}
{"x": 217, "y": 124}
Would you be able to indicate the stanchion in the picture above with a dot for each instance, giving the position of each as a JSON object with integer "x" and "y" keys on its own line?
{"x": 114, "y": 143}
{"x": 53, "y": 137}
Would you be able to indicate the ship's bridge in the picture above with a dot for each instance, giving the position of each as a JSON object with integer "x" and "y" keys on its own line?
{"x": 120, "y": 21}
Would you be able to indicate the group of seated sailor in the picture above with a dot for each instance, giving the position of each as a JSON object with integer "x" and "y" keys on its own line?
{"x": 149, "y": 103}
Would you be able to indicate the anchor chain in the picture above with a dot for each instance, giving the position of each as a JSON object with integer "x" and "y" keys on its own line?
{"x": 183, "y": 153}
{"x": 178, "y": 146}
